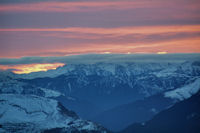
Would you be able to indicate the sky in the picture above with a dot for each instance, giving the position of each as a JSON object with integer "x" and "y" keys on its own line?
{"x": 70, "y": 27}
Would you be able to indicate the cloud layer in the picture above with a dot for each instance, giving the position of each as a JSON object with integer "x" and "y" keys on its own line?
{"x": 82, "y": 40}
{"x": 67, "y": 27}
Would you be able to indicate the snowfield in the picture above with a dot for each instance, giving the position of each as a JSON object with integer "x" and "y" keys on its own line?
{"x": 36, "y": 114}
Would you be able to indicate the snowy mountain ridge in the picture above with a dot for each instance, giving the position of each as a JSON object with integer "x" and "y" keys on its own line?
{"x": 157, "y": 76}
{"x": 99, "y": 86}
{"x": 102, "y": 85}
{"x": 37, "y": 114}
{"x": 184, "y": 92}
{"x": 135, "y": 68}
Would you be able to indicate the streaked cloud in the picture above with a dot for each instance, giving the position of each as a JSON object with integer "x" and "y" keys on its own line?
{"x": 96, "y": 58}
{"x": 81, "y": 40}
{"x": 115, "y": 31}
{"x": 81, "y": 6}
{"x": 68, "y": 27}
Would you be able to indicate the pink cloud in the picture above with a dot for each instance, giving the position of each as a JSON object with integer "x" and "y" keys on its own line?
{"x": 96, "y": 6}
{"x": 101, "y": 40}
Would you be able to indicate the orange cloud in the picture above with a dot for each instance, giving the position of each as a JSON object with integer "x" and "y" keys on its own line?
{"x": 78, "y": 6}
{"x": 187, "y": 45}
{"x": 149, "y": 39}
{"x": 114, "y": 31}
{"x": 95, "y": 5}
{"x": 28, "y": 68}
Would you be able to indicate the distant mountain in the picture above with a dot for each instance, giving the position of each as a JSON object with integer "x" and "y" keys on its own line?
{"x": 183, "y": 117}
{"x": 107, "y": 85}
{"x": 9, "y": 84}
{"x": 122, "y": 116}
{"x": 142, "y": 110}
{"x": 97, "y": 85}
{"x": 28, "y": 113}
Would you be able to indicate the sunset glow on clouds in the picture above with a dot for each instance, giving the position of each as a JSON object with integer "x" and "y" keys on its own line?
{"x": 66, "y": 27}
{"x": 83, "y": 40}
{"x": 28, "y": 68}
{"x": 80, "y": 6}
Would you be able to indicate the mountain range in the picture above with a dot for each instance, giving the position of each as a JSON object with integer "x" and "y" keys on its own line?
{"x": 183, "y": 117}
{"x": 112, "y": 90}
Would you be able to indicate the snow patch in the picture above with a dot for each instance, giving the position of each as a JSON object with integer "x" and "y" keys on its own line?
{"x": 184, "y": 92}
{"x": 51, "y": 93}
{"x": 71, "y": 98}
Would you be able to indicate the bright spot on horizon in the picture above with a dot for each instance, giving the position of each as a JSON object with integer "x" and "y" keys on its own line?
{"x": 107, "y": 52}
{"x": 128, "y": 52}
{"x": 161, "y": 52}
{"x": 28, "y": 68}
